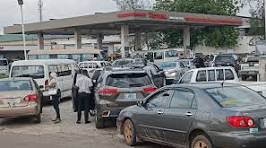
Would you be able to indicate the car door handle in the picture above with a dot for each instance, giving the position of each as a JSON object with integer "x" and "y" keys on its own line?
{"x": 160, "y": 112}
{"x": 189, "y": 114}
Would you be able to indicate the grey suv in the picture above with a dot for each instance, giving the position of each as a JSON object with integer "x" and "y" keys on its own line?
{"x": 117, "y": 89}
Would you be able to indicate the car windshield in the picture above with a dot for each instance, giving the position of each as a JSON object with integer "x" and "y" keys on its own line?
{"x": 237, "y": 96}
{"x": 128, "y": 80}
{"x": 168, "y": 65}
{"x": 122, "y": 63}
{"x": 16, "y": 85}
{"x": 224, "y": 58}
{"x": 35, "y": 72}
{"x": 3, "y": 63}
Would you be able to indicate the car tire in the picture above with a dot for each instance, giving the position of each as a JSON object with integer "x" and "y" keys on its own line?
{"x": 129, "y": 133}
{"x": 201, "y": 141}
{"x": 37, "y": 118}
{"x": 99, "y": 121}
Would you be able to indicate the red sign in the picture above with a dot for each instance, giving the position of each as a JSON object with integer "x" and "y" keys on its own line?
{"x": 153, "y": 15}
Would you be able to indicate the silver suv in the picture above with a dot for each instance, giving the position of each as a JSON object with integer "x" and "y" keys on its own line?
{"x": 118, "y": 89}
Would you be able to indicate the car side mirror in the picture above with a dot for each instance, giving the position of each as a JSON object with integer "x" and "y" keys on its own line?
{"x": 140, "y": 103}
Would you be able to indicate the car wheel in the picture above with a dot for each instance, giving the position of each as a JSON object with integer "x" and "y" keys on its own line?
{"x": 129, "y": 133}
{"x": 99, "y": 121}
{"x": 201, "y": 141}
{"x": 37, "y": 118}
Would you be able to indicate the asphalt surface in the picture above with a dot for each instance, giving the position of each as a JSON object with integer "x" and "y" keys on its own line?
{"x": 23, "y": 133}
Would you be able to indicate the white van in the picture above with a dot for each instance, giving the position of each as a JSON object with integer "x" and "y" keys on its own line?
{"x": 39, "y": 70}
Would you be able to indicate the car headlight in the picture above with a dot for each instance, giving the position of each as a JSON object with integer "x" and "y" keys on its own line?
{"x": 170, "y": 74}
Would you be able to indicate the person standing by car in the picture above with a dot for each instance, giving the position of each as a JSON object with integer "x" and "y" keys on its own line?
{"x": 84, "y": 83}
{"x": 55, "y": 96}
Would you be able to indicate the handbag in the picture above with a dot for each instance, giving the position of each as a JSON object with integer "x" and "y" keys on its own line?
{"x": 52, "y": 92}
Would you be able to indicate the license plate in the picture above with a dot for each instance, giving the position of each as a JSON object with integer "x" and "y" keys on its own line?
{"x": 131, "y": 96}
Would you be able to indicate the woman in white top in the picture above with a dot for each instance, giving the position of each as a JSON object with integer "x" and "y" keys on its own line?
{"x": 53, "y": 90}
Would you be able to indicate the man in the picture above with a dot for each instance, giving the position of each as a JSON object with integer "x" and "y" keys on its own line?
{"x": 84, "y": 100}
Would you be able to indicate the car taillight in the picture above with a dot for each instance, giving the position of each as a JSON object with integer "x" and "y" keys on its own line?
{"x": 241, "y": 121}
{"x": 149, "y": 89}
{"x": 108, "y": 91}
{"x": 31, "y": 98}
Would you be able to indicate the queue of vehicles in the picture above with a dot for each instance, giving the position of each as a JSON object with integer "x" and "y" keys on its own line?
{"x": 210, "y": 107}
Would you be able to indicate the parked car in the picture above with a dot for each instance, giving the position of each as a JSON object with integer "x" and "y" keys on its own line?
{"x": 220, "y": 74}
{"x": 250, "y": 69}
{"x": 39, "y": 70}
{"x": 206, "y": 115}
{"x": 173, "y": 71}
{"x": 226, "y": 60}
{"x": 20, "y": 97}
{"x": 117, "y": 89}
{"x": 90, "y": 66}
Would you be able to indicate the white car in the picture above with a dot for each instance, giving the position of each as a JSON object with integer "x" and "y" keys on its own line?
{"x": 220, "y": 74}
{"x": 90, "y": 66}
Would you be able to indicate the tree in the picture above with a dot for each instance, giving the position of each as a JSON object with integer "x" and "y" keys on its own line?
{"x": 133, "y": 4}
{"x": 257, "y": 14}
{"x": 210, "y": 36}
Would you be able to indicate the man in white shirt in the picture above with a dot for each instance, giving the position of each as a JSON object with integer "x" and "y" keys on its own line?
{"x": 84, "y": 83}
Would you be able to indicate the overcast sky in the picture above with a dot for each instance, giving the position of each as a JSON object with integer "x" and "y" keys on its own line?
{"x": 54, "y": 9}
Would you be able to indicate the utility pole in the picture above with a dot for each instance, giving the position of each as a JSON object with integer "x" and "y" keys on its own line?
{"x": 40, "y": 10}
{"x": 20, "y": 2}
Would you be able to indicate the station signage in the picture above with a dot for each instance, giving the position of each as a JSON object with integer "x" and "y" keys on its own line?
{"x": 152, "y": 15}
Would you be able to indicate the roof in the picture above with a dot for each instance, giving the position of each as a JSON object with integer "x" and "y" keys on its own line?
{"x": 48, "y": 61}
{"x": 206, "y": 85}
{"x": 211, "y": 68}
{"x": 110, "y": 23}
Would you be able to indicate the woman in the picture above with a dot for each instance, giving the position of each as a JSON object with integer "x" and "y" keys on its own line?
{"x": 55, "y": 96}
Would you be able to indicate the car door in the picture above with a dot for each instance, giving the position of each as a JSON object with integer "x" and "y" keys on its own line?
{"x": 150, "y": 118}
{"x": 158, "y": 76}
{"x": 178, "y": 117}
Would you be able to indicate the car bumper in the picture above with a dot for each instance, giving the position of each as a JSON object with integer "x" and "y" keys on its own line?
{"x": 29, "y": 110}
{"x": 238, "y": 140}
{"x": 108, "y": 112}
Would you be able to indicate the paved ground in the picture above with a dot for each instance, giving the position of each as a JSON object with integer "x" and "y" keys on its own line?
{"x": 22, "y": 133}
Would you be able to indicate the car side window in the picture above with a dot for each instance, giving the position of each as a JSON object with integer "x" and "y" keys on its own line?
{"x": 187, "y": 77}
{"x": 220, "y": 74}
{"x": 201, "y": 77}
{"x": 159, "y": 100}
{"x": 211, "y": 75}
{"x": 229, "y": 74}
{"x": 182, "y": 99}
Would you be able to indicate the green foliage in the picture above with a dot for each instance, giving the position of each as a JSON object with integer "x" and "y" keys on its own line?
{"x": 210, "y": 36}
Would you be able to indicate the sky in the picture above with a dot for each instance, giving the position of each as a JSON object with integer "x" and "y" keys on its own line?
{"x": 55, "y": 9}
{"x": 52, "y": 9}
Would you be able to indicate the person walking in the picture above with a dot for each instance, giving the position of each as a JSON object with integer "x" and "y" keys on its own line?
{"x": 84, "y": 83}
{"x": 55, "y": 96}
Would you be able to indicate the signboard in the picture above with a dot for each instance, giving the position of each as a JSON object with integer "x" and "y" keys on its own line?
{"x": 152, "y": 15}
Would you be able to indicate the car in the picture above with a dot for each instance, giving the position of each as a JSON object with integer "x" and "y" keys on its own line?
{"x": 20, "y": 97}
{"x": 205, "y": 115}
{"x": 118, "y": 89}
{"x": 90, "y": 66}
{"x": 173, "y": 71}
{"x": 250, "y": 69}
{"x": 226, "y": 60}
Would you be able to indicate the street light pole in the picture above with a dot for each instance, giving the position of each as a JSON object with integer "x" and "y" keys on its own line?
{"x": 20, "y": 2}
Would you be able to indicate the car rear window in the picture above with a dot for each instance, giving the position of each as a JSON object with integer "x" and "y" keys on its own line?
{"x": 16, "y": 85}
{"x": 128, "y": 80}
{"x": 237, "y": 96}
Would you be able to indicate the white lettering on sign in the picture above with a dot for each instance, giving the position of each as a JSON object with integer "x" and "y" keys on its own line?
{"x": 177, "y": 18}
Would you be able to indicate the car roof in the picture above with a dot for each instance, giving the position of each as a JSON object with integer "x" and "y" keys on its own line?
{"x": 45, "y": 61}
{"x": 206, "y": 85}
{"x": 212, "y": 68}
{"x": 15, "y": 78}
